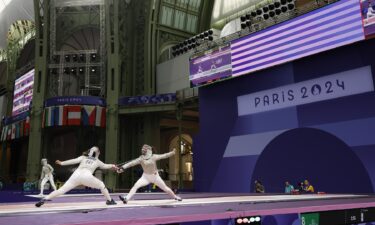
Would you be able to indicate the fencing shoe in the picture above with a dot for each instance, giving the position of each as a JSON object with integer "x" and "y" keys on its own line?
{"x": 124, "y": 200}
{"x": 40, "y": 203}
{"x": 112, "y": 202}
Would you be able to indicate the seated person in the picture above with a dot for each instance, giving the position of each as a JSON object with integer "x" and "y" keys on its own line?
{"x": 259, "y": 188}
{"x": 301, "y": 188}
{"x": 308, "y": 187}
{"x": 288, "y": 187}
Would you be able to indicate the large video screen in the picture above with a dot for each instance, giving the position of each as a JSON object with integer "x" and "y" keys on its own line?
{"x": 368, "y": 15}
{"x": 329, "y": 27}
{"x": 23, "y": 93}
{"x": 210, "y": 66}
{"x": 332, "y": 26}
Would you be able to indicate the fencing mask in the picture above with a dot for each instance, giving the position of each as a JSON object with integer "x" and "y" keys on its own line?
{"x": 94, "y": 152}
{"x": 146, "y": 151}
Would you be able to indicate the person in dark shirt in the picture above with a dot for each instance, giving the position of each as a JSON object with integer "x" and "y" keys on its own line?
{"x": 259, "y": 188}
{"x": 301, "y": 188}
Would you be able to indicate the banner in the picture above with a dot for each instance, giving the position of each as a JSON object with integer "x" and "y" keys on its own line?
{"x": 328, "y": 87}
{"x": 75, "y": 100}
{"x": 147, "y": 99}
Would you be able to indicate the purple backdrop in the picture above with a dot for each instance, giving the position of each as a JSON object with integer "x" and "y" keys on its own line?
{"x": 329, "y": 142}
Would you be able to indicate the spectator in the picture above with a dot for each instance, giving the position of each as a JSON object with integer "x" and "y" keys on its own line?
{"x": 288, "y": 187}
{"x": 308, "y": 187}
{"x": 259, "y": 188}
{"x": 301, "y": 188}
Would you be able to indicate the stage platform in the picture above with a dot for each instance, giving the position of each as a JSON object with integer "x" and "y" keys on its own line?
{"x": 156, "y": 208}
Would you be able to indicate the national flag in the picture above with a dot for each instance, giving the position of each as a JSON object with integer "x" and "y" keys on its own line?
{"x": 48, "y": 117}
{"x": 27, "y": 126}
{"x": 9, "y": 132}
{"x": 13, "y": 135}
{"x": 89, "y": 115}
{"x": 3, "y": 133}
{"x": 100, "y": 116}
{"x": 74, "y": 114}
{"x": 61, "y": 114}
{"x": 17, "y": 130}
{"x": 22, "y": 128}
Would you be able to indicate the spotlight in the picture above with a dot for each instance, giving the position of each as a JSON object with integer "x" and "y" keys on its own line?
{"x": 284, "y": 9}
{"x": 272, "y": 13}
{"x": 81, "y": 70}
{"x": 248, "y": 16}
{"x": 56, "y": 58}
{"x": 278, "y": 11}
{"x": 93, "y": 70}
{"x": 266, "y": 16}
{"x": 277, "y": 4}
{"x": 73, "y": 70}
{"x": 193, "y": 45}
{"x": 198, "y": 44}
{"x": 210, "y": 38}
{"x": 206, "y": 34}
{"x": 93, "y": 56}
{"x": 290, "y": 6}
{"x": 248, "y": 23}
{"x": 265, "y": 9}
{"x": 75, "y": 57}
{"x": 290, "y": 1}
{"x": 253, "y": 14}
{"x": 189, "y": 47}
{"x": 201, "y": 36}
{"x": 259, "y": 12}
{"x": 66, "y": 70}
{"x": 185, "y": 42}
{"x": 283, "y": 2}
{"x": 67, "y": 58}
{"x": 181, "y": 45}
{"x": 193, "y": 40}
{"x": 210, "y": 32}
{"x": 271, "y": 7}
{"x": 189, "y": 41}
{"x": 243, "y": 18}
{"x": 82, "y": 58}
{"x": 185, "y": 49}
{"x": 243, "y": 25}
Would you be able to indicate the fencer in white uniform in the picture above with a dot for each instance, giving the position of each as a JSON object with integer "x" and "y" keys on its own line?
{"x": 150, "y": 172}
{"x": 83, "y": 175}
{"x": 47, "y": 175}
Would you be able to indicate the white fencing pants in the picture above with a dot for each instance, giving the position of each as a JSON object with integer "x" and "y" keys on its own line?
{"x": 81, "y": 177}
{"x": 147, "y": 179}
{"x": 48, "y": 177}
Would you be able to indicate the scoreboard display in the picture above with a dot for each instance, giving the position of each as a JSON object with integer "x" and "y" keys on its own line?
{"x": 339, "y": 217}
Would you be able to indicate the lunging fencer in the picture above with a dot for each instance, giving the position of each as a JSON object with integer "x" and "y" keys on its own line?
{"x": 83, "y": 175}
{"x": 150, "y": 172}
{"x": 47, "y": 175}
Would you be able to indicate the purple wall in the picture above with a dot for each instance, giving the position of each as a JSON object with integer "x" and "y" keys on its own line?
{"x": 331, "y": 142}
